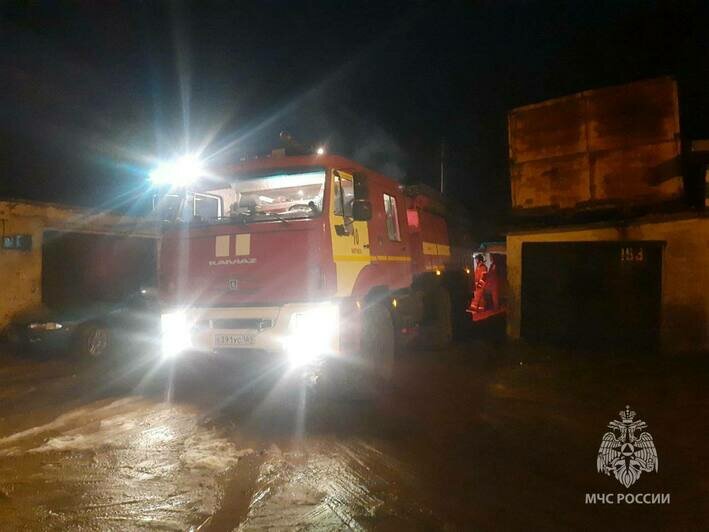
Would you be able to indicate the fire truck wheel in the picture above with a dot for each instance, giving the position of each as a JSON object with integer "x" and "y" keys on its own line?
{"x": 441, "y": 329}
{"x": 373, "y": 365}
{"x": 378, "y": 342}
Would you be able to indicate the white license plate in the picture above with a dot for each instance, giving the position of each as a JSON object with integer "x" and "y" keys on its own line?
{"x": 227, "y": 340}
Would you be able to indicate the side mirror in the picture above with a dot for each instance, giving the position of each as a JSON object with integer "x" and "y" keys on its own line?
{"x": 361, "y": 190}
{"x": 362, "y": 210}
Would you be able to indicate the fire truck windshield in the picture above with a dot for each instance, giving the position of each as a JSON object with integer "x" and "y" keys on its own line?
{"x": 257, "y": 197}
{"x": 290, "y": 196}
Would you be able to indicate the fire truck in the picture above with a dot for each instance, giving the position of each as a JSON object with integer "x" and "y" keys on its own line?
{"x": 306, "y": 261}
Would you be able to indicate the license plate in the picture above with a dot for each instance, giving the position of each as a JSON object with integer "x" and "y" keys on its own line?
{"x": 226, "y": 340}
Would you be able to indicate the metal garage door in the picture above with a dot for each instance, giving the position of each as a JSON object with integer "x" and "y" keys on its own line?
{"x": 82, "y": 267}
{"x": 592, "y": 294}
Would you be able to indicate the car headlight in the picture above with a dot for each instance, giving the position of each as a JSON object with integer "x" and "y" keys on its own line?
{"x": 313, "y": 333}
{"x": 175, "y": 333}
{"x": 45, "y": 326}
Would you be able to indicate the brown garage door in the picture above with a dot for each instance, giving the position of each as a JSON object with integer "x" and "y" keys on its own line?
{"x": 78, "y": 268}
{"x": 592, "y": 294}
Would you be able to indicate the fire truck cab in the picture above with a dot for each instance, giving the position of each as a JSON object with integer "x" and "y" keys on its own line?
{"x": 305, "y": 261}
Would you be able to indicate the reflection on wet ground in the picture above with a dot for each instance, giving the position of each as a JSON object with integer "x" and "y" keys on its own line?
{"x": 329, "y": 486}
{"x": 129, "y": 461}
{"x": 111, "y": 464}
{"x": 480, "y": 437}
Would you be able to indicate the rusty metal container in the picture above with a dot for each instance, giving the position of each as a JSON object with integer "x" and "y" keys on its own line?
{"x": 616, "y": 145}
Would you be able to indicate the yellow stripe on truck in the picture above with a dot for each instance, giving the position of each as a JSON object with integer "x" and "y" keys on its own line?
{"x": 430, "y": 248}
{"x": 376, "y": 258}
{"x": 350, "y": 251}
{"x": 444, "y": 250}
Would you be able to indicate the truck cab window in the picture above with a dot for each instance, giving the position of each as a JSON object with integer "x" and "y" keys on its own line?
{"x": 167, "y": 208}
{"x": 206, "y": 206}
{"x": 392, "y": 218}
{"x": 344, "y": 196}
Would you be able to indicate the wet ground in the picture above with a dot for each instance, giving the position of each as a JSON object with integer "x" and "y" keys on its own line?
{"x": 483, "y": 436}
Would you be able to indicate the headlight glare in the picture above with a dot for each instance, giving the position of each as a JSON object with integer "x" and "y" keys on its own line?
{"x": 175, "y": 333}
{"x": 313, "y": 333}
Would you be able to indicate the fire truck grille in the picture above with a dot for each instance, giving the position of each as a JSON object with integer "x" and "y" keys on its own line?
{"x": 244, "y": 323}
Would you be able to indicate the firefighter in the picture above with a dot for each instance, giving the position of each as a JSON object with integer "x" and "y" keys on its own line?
{"x": 479, "y": 287}
{"x": 492, "y": 285}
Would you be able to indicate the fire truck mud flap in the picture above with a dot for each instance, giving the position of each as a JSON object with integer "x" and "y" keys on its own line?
{"x": 359, "y": 377}
{"x": 437, "y": 330}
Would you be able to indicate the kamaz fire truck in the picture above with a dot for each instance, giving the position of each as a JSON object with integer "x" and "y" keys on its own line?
{"x": 306, "y": 261}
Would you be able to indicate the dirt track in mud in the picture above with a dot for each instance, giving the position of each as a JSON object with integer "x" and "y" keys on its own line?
{"x": 480, "y": 437}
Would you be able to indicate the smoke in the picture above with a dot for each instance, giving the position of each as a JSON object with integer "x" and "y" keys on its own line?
{"x": 343, "y": 131}
{"x": 377, "y": 149}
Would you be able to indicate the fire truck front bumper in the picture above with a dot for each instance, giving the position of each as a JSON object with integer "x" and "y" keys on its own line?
{"x": 298, "y": 334}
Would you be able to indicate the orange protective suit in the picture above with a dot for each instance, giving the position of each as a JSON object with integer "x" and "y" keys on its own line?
{"x": 479, "y": 286}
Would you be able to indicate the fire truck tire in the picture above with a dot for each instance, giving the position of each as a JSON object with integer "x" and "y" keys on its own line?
{"x": 458, "y": 285}
{"x": 378, "y": 342}
{"x": 374, "y": 363}
{"x": 440, "y": 331}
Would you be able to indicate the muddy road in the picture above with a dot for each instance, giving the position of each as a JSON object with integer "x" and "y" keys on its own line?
{"x": 483, "y": 436}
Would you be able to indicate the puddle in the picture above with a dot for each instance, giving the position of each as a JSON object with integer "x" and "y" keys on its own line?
{"x": 124, "y": 464}
{"x": 329, "y": 486}
{"x": 136, "y": 464}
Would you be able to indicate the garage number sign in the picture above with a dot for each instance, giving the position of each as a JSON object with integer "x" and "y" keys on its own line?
{"x": 632, "y": 254}
{"x": 17, "y": 242}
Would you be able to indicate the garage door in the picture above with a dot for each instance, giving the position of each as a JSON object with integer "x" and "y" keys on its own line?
{"x": 80, "y": 267}
{"x": 592, "y": 294}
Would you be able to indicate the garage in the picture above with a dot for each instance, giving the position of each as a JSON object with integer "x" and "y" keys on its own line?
{"x": 55, "y": 254}
{"x": 83, "y": 267}
{"x": 592, "y": 294}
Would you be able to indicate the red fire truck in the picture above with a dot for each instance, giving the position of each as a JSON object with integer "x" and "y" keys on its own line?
{"x": 306, "y": 261}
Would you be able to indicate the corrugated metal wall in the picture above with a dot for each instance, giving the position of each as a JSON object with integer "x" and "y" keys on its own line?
{"x": 617, "y": 144}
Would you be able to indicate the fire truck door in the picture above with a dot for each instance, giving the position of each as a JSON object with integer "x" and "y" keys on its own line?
{"x": 350, "y": 239}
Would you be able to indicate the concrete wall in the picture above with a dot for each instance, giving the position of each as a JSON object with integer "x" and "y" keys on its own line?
{"x": 21, "y": 271}
{"x": 685, "y": 272}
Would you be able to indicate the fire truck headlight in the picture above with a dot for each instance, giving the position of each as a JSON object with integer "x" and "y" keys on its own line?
{"x": 175, "y": 333}
{"x": 313, "y": 333}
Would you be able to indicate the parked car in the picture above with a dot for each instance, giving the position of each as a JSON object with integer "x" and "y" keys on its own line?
{"x": 92, "y": 329}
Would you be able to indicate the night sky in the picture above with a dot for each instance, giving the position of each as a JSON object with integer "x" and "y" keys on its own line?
{"x": 92, "y": 94}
